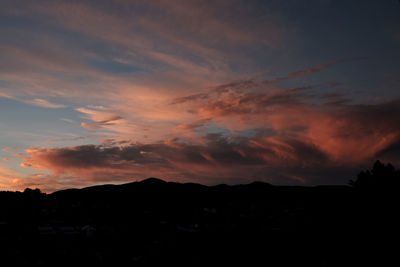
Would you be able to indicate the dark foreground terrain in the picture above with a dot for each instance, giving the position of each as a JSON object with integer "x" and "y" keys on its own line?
{"x": 155, "y": 223}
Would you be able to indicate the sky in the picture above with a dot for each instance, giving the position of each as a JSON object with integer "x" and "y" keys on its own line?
{"x": 224, "y": 91}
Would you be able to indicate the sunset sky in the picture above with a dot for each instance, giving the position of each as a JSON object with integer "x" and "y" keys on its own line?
{"x": 223, "y": 91}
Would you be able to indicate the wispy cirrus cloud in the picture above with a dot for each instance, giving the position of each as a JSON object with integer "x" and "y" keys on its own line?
{"x": 107, "y": 122}
{"x": 315, "y": 69}
{"x": 67, "y": 120}
{"x": 38, "y": 102}
{"x": 126, "y": 26}
{"x": 43, "y": 103}
{"x": 253, "y": 83}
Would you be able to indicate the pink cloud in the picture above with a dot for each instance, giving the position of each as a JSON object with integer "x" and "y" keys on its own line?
{"x": 346, "y": 133}
{"x": 43, "y": 103}
{"x": 8, "y": 178}
{"x": 217, "y": 159}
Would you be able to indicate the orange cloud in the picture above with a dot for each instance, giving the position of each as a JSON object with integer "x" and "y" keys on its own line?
{"x": 346, "y": 133}
{"x": 8, "y": 179}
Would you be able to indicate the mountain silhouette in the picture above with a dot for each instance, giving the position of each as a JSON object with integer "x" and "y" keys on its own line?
{"x": 153, "y": 180}
{"x": 154, "y": 222}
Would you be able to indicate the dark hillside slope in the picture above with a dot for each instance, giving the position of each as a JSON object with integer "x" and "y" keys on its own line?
{"x": 154, "y": 222}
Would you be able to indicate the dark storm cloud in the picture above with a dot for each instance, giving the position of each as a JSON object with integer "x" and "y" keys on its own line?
{"x": 238, "y": 157}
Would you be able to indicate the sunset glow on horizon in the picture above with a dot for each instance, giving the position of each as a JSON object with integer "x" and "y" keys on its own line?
{"x": 286, "y": 92}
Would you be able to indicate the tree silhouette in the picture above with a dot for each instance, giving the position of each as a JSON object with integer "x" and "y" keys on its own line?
{"x": 381, "y": 176}
{"x": 32, "y": 192}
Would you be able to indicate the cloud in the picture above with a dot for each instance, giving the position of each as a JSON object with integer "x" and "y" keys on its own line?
{"x": 252, "y": 83}
{"x": 314, "y": 69}
{"x": 391, "y": 154}
{"x": 11, "y": 180}
{"x": 100, "y": 117}
{"x": 8, "y": 178}
{"x": 95, "y": 125}
{"x": 78, "y": 138}
{"x": 231, "y": 158}
{"x": 194, "y": 97}
{"x": 325, "y": 143}
{"x": 4, "y": 95}
{"x": 347, "y": 133}
{"x": 80, "y": 54}
{"x": 43, "y": 103}
{"x": 193, "y": 125}
{"x": 263, "y": 131}
{"x": 129, "y": 26}
{"x": 67, "y": 120}
{"x": 38, "y": 102}
{"x": 153, "y": 72}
